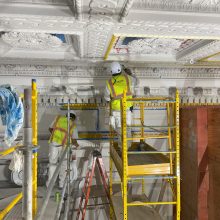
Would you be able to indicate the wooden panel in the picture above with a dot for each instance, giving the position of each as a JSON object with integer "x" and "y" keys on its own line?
{"x": 214, "y": 162}
{"x": 188, "y": 162}
{"x": 202, "y": 159}
{"x": 194, "y": 163}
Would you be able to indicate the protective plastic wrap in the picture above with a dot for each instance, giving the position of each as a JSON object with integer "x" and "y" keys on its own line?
{"x": 12, "y": 113}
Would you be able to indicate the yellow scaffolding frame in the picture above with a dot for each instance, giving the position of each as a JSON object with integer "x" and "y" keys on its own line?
{"x": 170, "y": 172}
{"x": 11, "y": 205}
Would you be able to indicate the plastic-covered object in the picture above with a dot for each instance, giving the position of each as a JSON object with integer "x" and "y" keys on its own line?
{"x": 17, "y": 161}
{"x": 74, "y": 171}
{"x": 12, "y": 113}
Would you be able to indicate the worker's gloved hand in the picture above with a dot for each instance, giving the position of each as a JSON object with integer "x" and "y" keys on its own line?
{"x": 127, "y": 70}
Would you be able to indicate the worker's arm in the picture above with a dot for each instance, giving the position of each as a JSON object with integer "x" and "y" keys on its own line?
{"x": 74, "y": 137}
{"x": 107, "y": 94}
{"x": 75, "y": 143}
{"x": 51, "y": 126}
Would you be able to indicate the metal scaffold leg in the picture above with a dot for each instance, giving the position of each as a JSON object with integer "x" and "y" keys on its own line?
{"x": 27, "y": 176}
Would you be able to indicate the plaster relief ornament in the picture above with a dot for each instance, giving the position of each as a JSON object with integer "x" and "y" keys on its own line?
{"x": 154, "y": 46}
{"x": 180, "y": 5}
{"x": 102, "y": 9}
{"x": 32, "y": 40}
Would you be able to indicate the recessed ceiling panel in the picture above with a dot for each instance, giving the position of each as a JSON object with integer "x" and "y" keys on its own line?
{"x": 148, "y": 48}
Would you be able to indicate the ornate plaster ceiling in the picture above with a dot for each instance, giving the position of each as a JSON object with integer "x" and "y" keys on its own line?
{"x": 155, "y": 30}
{"x": 139, "y": 48}
{"x": 37, "y": 41}
{"x": 180, "y": 5}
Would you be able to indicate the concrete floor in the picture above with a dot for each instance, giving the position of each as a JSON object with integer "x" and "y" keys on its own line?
{"x": 96, "y": 210}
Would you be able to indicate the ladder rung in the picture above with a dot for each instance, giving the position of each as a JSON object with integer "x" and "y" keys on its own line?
{"x": 151, "y": 203}
{"x": 148, "y": 137}
{"x": 152, "y": 177}
{"x": 107, "y": 203}
{"x": 152, "y": 152}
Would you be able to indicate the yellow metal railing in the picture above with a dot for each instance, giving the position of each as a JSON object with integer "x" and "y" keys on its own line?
{"x": 172, "y": 154}
{"x": 10, "y": 150}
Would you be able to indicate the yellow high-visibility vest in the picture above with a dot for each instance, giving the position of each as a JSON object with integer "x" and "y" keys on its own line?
{"x": 116, "y": 85}
{"x": 60, "y": 130}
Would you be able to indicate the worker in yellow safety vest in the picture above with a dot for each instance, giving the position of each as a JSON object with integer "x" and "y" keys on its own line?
{"x": 58, "y": 140}
{"x": 119, "y": 82}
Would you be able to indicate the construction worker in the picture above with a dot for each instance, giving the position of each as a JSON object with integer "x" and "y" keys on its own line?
{"x": 58, "y": 140}
{"x": 119, "y": 82}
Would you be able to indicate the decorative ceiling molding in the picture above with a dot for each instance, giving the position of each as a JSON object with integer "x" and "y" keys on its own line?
{"x": 104, "y": 72}
{"x": 125, "y": 10}
{"x": 102, "y": 10}
{"x": 55, "y": 2}
{"x": 202, "y": 52}
{"x": 100, "y": 22}
{"x": 41, "y": 24}
{"x": 193, "y": 48}
{"x": 140, "y": 28}
{"x": 32, "y": 40}
{"x": 143, "y": 46}
{"x": 96, "y": 37}
{"x": 179, "y": 5}
{"x": 146, "y": 46}
{"x": 78, "y": 9}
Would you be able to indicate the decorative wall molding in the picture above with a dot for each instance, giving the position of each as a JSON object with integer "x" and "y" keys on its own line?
{"x": 104, "y": 72}
{"x": 188, "y": 96}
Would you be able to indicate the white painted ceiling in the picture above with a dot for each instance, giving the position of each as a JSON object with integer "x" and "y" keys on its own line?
{"x": 143, "y": 32}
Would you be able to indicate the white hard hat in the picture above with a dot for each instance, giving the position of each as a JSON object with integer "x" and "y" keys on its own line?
{"x": 72, "y": 112}
{"x": 115, "y": 68}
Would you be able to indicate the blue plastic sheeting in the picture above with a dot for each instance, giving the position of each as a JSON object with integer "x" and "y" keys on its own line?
{"x": 12, "y": 113}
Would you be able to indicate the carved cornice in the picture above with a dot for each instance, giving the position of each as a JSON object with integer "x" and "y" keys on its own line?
{"x": 103, "y": 72}
{"x": 179, "y": 5}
